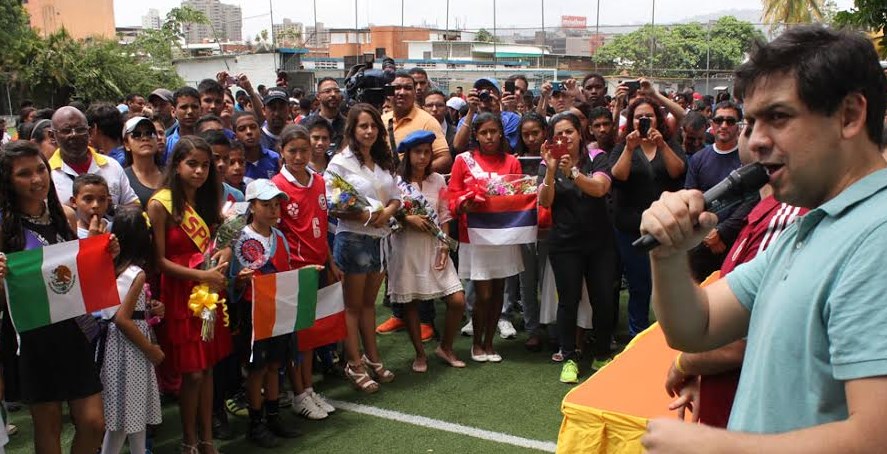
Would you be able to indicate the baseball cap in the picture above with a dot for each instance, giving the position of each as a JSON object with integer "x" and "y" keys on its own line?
{"x": 263, "y": 189}
{"x": 456, "y": 103}
{"x": 163, "y": 94}
{"x": 415, "y": 138}
{"x": 275, "y": 94}
{"x": 133, "y": 122}
{"x": 487, "y": 82}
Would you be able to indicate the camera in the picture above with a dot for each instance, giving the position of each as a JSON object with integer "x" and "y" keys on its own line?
{"x": 557, "y": 86}
{"x": 484, "y": 95}
{"x": 389, "y": 90}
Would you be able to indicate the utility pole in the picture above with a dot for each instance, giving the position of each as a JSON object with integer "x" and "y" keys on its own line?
{"x": 597, "y": 31}
{"x": 271, "y": 12}
{"x": 652, "y": 38}
{"x": 543, "y": 23}
{"x": 708, "y": 61}
{"x": 447, "y": 37}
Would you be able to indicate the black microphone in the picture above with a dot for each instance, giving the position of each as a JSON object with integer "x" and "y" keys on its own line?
{"x": 741, "y": 184}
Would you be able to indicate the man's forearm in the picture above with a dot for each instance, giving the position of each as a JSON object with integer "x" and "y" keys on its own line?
{"x": 837, "y": 437}
{"x": 724, "y": 359}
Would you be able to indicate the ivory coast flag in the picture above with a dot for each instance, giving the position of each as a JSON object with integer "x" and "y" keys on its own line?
{"x": 58, "y": 282}
{"x": 329, "y": 323}
{"x": 284, "y": 302}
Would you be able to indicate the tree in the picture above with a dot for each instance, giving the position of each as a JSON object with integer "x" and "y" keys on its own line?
{"x": 683, "y": 50}
{"x": 263, "y": 44}
{"x": 159, "y": 45}
{"x": 485, "y": 36}
{"x": 782, "y": 12}
{"x": 870, "y": 16}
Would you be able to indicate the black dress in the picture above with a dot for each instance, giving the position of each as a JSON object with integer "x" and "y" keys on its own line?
{"x": 55, "y": 362}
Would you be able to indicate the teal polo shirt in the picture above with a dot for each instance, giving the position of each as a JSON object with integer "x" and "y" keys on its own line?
{"x": 818, "y": 304}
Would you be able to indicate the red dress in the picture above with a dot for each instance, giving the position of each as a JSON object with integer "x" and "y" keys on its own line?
{"x": 181, "y": 342}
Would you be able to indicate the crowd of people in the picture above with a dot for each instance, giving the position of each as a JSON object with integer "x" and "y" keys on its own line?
{"x": 159, "y": 172}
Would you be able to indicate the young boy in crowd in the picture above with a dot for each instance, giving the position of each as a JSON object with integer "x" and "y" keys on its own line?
{"x": 91, "y": 199}
{"x": 222, "y": 159}
{"x": 235, "y": 174}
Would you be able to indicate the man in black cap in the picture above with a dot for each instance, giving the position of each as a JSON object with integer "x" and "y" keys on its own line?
{"x": 276, "y": 110}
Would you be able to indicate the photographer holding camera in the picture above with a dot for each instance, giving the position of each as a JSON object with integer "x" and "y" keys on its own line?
{"x": 486, "y": 97}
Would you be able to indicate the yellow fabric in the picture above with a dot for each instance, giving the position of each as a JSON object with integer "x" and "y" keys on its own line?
{"x": 418, "y": 120}
{"x": 192, "y": 223}
{"x": 55, "y": 162}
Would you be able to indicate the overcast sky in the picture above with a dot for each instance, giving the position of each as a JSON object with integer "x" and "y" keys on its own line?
{"x": 470, "y": 14}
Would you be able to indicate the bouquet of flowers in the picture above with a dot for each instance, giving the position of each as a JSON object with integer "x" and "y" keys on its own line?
{"x": 511, "y": 185}
{"x": 203, "y": 300}
{"x": 415, "y": 207}
{"x": 345, "y": 199}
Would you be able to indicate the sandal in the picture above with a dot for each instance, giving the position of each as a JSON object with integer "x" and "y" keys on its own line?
{"x": 361, "y": 380}
{"x": 206, "y": 447}
{"x": 382, "y": 374}
{"x": 189, "y": 449}
{"x": 455, "y": 362}
{"x": 418, "y": 367}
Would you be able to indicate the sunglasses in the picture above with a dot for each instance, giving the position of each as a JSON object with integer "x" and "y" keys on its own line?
{"x": 721, "y": 120}
{"x": 143, "y": 134}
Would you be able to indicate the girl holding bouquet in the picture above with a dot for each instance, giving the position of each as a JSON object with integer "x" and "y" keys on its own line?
{"x": 487, "y": 266}
{"x": 420, "y": 268}
{"x": 184, "y": 216}
{"x": 365, "y": 167}
{"x": 581, "y": 244}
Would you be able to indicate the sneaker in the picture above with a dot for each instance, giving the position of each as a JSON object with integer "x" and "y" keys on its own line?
{"x": 307, "y": 408}
{"x": 427, "y": 332}
{"x": 570, "y": 372}
{"x": 221, "y": 428}
{"x": 261, "y": 435}
{"x": 11, "y": 429}
{"x": 558, "y": 356}
{"x": 280, "y": 428}
{"x": 237, "y": 406}
{"x": 391, "y": 325}
{"x": 322, "y": 403}
{"x": 599, "y": 364}
{"x": 468, "y": 329}
{"x": 506, "y": 329}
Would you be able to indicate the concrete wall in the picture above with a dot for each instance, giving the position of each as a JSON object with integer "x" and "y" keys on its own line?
{"x": 260, "y": 68}
{"x": 81, "y": 18}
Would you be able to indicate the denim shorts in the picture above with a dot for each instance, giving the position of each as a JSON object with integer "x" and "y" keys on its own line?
{"x": 356, "y": 253}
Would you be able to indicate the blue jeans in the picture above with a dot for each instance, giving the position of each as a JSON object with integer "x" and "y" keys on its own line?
{"x": 356, "y": 253}
{"x": 526, "y": 285}
{"x": 640, "y": 282}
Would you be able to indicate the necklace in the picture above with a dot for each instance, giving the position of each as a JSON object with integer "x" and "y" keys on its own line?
{"x": 40, "y": 219}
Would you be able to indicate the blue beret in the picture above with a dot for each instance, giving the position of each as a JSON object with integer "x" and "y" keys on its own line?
{"x": 415, "y": 138}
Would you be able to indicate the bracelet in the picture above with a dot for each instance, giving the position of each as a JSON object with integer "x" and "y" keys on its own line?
{"x": 543, "y": 184}
{"x": 677, "y": 364}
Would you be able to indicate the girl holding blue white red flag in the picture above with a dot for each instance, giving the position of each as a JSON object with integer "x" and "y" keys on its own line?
{"x": 581, "y": 244}
{"x": 486, "y": 265}
{"x": 420, "y": 268}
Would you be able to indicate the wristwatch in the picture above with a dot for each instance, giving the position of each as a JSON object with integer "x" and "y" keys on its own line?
{"x": 574, "y": 173}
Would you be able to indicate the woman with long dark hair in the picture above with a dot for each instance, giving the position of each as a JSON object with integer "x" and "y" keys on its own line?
{"x": 55, "y": 362}
{"x": 581, "y": 246}
{"x": 142, "y": 158}
{"x": 367, "y": 163}
{"x": 647, "y": 164}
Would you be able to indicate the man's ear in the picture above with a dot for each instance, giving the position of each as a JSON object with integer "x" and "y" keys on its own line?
{"x": 853, "y": 115}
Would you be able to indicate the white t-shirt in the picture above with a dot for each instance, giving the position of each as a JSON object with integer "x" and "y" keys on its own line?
{"x": 376, "y": 185}
{"x": 109, "y": 169}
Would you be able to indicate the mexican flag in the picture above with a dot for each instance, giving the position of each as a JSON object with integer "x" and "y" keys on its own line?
{"x": 284, "y": 302}
{"x": 59, "y": 282}
{"x": 329, "y": 323}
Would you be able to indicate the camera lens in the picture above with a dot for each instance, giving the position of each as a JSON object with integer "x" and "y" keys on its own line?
{"x": 484, "y": 95}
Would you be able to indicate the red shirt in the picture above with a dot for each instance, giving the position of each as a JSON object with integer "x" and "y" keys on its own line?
{"x": 500, "y": 164}
{"x": 82, "y": 167}
{"x": 303, "y": 219}
{"x": 763, "y": 225}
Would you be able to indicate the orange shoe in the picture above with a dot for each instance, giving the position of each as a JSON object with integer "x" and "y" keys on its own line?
{"x": 427, "y": 332}
{"x": 391, "y": 325}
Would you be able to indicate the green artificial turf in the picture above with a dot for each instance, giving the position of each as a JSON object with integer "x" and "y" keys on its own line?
{"x": 520, "y": 396}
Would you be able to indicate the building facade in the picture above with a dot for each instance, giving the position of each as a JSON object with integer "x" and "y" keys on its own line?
{"x": 81, "y": 18}
{"x": 226, "y": 22}
{"x": 151, "y": 20}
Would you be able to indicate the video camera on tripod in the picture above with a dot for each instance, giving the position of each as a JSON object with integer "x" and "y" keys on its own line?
{"x": 365, "y": 84}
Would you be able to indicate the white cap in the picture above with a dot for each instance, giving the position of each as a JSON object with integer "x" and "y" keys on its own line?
{"x": 456, "y": 103}
{"x": 263, "y": 189}
{"x": 131, "y": 124}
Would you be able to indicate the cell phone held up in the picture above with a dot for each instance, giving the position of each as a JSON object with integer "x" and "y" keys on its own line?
{"x": 509, "y": 86}
{"x": 643, "y": 126}
{"x": 558, "y": 149}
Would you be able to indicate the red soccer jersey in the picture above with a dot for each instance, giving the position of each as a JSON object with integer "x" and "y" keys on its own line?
{"x": 303, "y": 219}
{"x": 501, "y": 164}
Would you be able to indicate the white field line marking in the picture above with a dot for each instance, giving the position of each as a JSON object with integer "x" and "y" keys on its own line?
{"x": 445, "y": 426}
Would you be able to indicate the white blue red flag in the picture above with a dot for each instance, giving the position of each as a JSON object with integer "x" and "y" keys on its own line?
{"x": 503, "y": 220}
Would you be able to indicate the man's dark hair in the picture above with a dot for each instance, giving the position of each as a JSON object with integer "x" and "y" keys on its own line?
{"x": 305, "y": 103}
{"x": 316, "y": 121}
{"x": 695, "y": 121}
{"x": 406, "y": 74}
{"x": 214, "y": 137}
{"x": 723, "y": 96}
{"x": 597, "y": 112}
{"x": 594, "y": 76}
{"x": 132, "y": 97}
{"x": 297, "y": 93}
{"x": 516, "y": 77}
{"x": 325, "y": 79}
{"x": 827, "y": 66}
{"x": 183, "y": 92}
{"x": 709, "y": 100}
{"x": 46, "y": 113}
{"x": 436, "y": 92}
{"x": 730, "y": 105}
{"x": 208, "y": 118}
{"x": 106, "y": 118}
{"x": 210, "y": 86}
{"x": 86, "y": 179}
{"x": 415, "y": 70}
